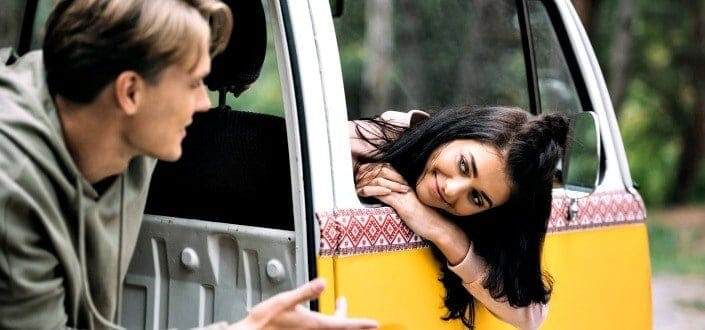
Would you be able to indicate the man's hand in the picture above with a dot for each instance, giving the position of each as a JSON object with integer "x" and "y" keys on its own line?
{"x": 283, "y": 311}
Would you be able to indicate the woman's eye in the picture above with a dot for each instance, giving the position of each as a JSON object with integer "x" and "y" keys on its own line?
{"x": 476, "y": 198}
{"x": 463, "y": 165}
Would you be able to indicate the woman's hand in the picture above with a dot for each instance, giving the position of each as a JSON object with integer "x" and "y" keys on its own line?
{"x": 381, "y": 181}
{"x": 283, "y": 311}
{"x": 378, "y": 179}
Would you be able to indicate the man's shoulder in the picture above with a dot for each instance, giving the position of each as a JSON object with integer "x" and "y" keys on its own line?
{"x": 12, "y": 155}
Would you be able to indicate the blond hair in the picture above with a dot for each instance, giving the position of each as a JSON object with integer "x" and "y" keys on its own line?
{"x": 89, "y": 42}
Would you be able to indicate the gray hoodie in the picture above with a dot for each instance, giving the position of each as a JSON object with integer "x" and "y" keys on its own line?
{"x": 64, "y": 249}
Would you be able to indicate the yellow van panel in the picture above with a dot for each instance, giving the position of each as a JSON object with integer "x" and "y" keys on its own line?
{"x": 399, "y": 289}
{"x": 602, "y": 281}
{"x": 326, "y": 301}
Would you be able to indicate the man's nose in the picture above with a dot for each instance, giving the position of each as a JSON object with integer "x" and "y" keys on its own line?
{"x": 204, "y": 102}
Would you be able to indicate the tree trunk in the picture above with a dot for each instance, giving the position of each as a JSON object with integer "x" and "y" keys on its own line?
{"x": 694, "y": 132}
{"x": 412, "y": 68}
{"x": 378, "y": 43}
{"x": 10, "y": 23}
{"x": 621, "y": 53}
{"x": 588, "y": 11}
{"x": 583, "y": 9}
{"x": 470, "y": 66}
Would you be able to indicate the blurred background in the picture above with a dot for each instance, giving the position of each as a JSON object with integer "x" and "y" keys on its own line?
{"x": 652, "y": 54}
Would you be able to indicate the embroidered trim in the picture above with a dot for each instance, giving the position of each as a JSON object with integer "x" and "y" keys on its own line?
{"x": 349, "y": 232}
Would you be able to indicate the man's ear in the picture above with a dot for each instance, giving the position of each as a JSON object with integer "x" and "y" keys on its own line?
{"x": 129, "y": 91}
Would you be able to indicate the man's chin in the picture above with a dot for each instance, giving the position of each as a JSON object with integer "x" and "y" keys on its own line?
{"x": 169, "y": 157}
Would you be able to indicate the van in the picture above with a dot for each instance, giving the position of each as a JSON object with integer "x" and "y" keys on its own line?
{"x": 264, "y": 198}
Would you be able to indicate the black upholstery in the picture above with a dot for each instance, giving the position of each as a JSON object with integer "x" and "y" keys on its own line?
{"x": 234, "y": 169}
{"x": 235, "y": 164}
{"x": 240, "y": 63}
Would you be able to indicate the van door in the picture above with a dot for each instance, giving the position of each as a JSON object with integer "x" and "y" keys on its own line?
{"x": 437, "y": 54}
{"x": 226, "y": 226}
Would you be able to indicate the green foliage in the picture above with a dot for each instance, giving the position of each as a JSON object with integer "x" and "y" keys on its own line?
{"x": 674, "y": 250}
{"x": 660, "y": 93}
{"x": 650, "y": 141}
{"x": 658, "y": 104}
{"x": 696, "y": 304}
{"x": 265, "y": 94}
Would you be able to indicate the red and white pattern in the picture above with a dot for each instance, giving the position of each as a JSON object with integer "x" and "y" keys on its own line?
{"x": 360, "y": 231}
{"x": 601, "y": 209}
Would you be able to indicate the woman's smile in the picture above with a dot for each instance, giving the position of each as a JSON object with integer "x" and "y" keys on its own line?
{"x": 437, "y": 190}
{"x": 468, "y": 173}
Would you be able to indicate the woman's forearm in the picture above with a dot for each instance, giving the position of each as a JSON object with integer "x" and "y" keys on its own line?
{"x": 452, "y": 241}
{"x": 525, "y": 318}
{"x": 359, "y": 147}
{"x": 472, "y": 269}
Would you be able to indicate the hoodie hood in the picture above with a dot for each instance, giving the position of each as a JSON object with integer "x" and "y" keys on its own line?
{"x": 86, "y": 239}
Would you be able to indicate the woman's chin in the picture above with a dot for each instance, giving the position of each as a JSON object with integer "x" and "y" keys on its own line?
{"x": 427, "y": 200}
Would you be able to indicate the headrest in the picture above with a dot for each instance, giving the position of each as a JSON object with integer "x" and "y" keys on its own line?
{"x": 240, "y": 63}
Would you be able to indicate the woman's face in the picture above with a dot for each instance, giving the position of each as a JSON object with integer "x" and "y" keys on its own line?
{"x": 464, "y": 177}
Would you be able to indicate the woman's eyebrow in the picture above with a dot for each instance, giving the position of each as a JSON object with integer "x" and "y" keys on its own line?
{"x": 475, "y": 174}
{"x": 472, "y": 164}
{"x": 487, "y": 198}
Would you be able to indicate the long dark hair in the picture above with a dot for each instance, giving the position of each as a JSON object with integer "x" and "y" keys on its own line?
{"x": 508, "y": 237}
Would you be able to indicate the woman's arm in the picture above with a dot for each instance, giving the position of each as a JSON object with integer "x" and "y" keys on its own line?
{"x": 472, "y": 270}
{"x": 453, "y": 243}
{"x": 360, "y": 145}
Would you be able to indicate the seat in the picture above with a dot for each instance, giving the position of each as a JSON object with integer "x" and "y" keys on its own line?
{"x": 235, "y": 164}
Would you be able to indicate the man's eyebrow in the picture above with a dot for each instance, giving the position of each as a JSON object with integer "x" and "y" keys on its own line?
{"x": 475, "y": 174}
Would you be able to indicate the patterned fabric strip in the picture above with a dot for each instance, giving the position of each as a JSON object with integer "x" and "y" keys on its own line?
{"x": 349, "y": 232}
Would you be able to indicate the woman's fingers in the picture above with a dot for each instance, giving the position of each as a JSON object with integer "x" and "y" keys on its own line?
{"x": 372, "y": 191}
{"x": 406, "y": 205}
{"x": 368, "y": 172}
{"x": 380, "y": 186}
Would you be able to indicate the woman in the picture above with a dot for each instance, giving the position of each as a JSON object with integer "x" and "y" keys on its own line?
{"x": 482, "y": 180}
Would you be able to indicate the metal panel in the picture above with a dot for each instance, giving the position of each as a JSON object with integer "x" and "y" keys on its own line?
{"x": 188, "y": 273}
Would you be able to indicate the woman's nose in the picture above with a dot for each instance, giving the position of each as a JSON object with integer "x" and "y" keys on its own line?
{"x": 455, "y": 187}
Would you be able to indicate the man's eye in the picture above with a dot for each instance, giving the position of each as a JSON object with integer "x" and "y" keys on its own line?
{"x": 197, "y": 84}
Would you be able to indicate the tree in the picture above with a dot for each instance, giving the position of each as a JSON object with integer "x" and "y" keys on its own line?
{"x": 378, "y": 42}
{"x": 10, "y": 23}
{"x": 412, "y": 71}
{"x": 621, "y": 53}
{"x": 588, "y": 11}
{"x": 693, "y": 132}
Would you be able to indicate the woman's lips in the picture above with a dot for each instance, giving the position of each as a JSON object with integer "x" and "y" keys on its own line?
{"x": 437, "y": 190}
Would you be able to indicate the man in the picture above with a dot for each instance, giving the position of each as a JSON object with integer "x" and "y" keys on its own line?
{"x": 81, "y": 126}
